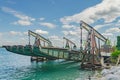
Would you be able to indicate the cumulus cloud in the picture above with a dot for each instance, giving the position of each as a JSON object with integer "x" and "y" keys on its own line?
{"x": 25, "y": 33}
{"x": 56, "y": 40}
{"x": 0, "y": 34}
{"x": 13, "y": 38}
{"x": 107, "y": 10}
{"x": 68, "y": 26}
{"x": 15, "y": 33}
{"x": 114, "y": 26}
{"x": 97, "y": 27}
{"x": 69, "y": 33}
{"x": 24, "y": 20}
{"x": 111, "y": 33}
{"x": 39, "y": 31}
{"x": 49, "y": 25}
{"x": 18, "y": 33}
{"x": 41, "y": 19}
{"x": 75, "y": 32}
{"x": 14, "y": 42}
{"x": 113, "y": 30}
{"x": 54, "y": 37}
{"x": 107, "y": 34}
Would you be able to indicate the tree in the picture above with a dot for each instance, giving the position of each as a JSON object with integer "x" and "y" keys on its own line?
{"x": 118, "y": 42}
{"x": 116, "y": 53}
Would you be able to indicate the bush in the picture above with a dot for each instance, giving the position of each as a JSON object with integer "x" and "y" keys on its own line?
{"x": 115, "y": 54}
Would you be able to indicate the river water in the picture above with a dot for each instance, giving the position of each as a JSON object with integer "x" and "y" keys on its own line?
{"x": 19, "y": 67}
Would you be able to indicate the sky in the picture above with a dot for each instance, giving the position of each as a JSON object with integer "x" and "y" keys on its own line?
{"x": 55, "y": 19}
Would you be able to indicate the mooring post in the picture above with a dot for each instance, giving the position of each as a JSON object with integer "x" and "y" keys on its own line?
{"x": 89, "y": 77}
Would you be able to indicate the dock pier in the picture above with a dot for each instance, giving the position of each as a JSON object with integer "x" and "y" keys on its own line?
{"x": 89, "y": 56}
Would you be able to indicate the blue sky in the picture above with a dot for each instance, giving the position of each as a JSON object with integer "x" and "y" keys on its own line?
{"x": 56, "y": 18}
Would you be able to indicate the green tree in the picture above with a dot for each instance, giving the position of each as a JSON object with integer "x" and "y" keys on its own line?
{"x": 118, "y": 42}
{"x": 116, "y": 53}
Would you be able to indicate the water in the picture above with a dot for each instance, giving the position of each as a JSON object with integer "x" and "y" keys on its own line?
{"x": 18, "y": 67}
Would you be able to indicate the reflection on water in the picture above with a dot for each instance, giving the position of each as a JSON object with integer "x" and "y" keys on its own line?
{"x": 18, "y": 67}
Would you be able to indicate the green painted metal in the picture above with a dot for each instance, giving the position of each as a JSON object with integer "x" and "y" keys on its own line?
{"x": 47, "y": 52}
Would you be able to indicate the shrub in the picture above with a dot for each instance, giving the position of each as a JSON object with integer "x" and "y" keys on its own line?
{"x": 115, "y": 54}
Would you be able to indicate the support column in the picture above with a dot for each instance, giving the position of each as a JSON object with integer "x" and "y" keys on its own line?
{"x": 81, "y": 38}
{"x": 99, "y": 48}
{"x": 29, "y": 38}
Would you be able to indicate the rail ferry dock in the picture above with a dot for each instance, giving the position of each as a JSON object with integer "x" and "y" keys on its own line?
{"x": 89, "y": 56}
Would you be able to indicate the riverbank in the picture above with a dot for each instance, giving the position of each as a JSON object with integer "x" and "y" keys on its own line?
{"x": 107, "y": 74}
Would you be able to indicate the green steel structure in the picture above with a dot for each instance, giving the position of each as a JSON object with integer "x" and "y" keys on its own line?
{"x": 90, "y": 55}
{"x": 47, "y": 50}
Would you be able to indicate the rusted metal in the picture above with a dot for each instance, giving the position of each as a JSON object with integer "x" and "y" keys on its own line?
{"x": 68, "y": 42}
{"x": 91, "y": 53}
{"x": 38, "y": 39}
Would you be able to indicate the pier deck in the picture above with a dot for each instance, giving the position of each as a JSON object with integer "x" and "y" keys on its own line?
{"x": 47, "y": 52}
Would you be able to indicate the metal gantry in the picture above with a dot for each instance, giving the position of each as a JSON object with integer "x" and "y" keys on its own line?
{"x": 91, "y": 52}
{"x": 88, "y": 55}
{"x": 38, "y": 39}
{"x": 68, "y": 42}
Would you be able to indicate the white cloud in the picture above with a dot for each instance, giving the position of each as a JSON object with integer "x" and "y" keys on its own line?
{"x": 24, "y": 19}
{"x": 7, "y": 42}
{"x": 41, "y": 19}
{"x": 112, "y": 33}
{"x": 14, "y": 42}
{"x": 74, "y": 35}
{"x": 98, "y": 27}
{"x": 56, "y": 40}
{"x": 0, "y": 34}
{"x": 24, "y": 39}
{"x": 25, "y": 33}
{"x": 107, "y": 10}
{"x": 111, "y": 37}
{"x": 69, "y": 33}
{"x": 23, "y": 22}
{"x": 13, "y": 38}
{"x": 75, "y": 32}
{"x": 114, "y": 26}
{"x": 14, "y": 33}
{"x": 107, "y": 34}
{"x": 49, "y": 25}
{"x": 60, "y": 42}
{"x": 39, "y": 31}
{"x": 54, "y": 37}
{"x": 17, "y": 38}
{"x": 68, "y": 26}
{"x": 113, "y": 30}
